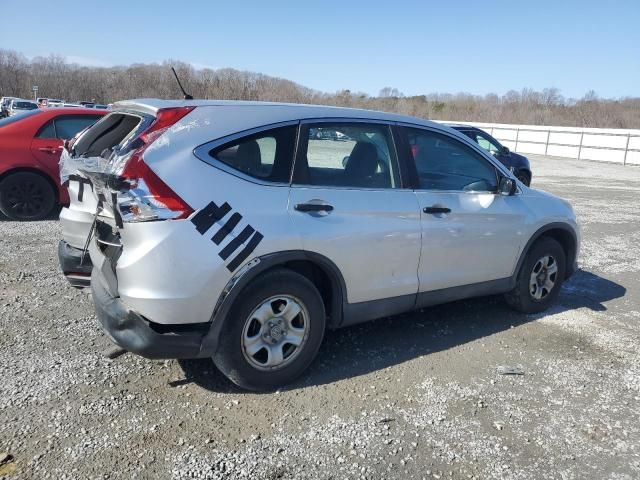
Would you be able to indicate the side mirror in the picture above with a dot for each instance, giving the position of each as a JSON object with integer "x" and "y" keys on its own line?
{"x": 505, "y": 150}
{"x": 507, "y": 186}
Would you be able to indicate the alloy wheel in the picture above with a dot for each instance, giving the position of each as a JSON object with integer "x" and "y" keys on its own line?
{"x": 543, "y": 277}
{"x": 26, "y": 198}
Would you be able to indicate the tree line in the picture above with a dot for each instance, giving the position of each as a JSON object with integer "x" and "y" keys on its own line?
{"x": 57, "y": 78}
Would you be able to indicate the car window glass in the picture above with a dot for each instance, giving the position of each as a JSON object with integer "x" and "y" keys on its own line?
{"x": 267, "y": 150}
{"x": 18, "y": 117}
{"x": 486, "y": 144}
{"x": 48, "y": 131}
{"x": 115, "y": 131}
{"x": 68, "y": 126}
{"x": 444, "y": 163}
{"x": 266, "y": 155}
{"x": 346, "y": 155}
{"x": 25, "y": 105}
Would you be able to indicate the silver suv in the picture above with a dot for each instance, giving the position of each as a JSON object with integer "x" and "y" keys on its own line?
{"x": 232, "y": 230}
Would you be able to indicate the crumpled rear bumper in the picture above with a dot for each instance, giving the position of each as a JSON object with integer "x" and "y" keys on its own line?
{"x": 134, "y": 333}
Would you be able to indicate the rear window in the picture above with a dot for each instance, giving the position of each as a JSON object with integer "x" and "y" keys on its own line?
{"x": 17, "y": 117}
{"x": 111, "y": 133}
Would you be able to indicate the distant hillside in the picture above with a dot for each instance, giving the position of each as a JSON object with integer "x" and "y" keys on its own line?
{"x": 57, "y": 78}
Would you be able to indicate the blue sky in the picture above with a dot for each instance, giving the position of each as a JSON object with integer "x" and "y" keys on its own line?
{"x": 415, "y": 46}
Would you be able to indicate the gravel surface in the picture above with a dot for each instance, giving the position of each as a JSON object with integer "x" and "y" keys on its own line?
{"x": 415, "y": 396}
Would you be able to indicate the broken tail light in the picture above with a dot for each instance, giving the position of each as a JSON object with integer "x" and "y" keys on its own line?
{"x": 147, "y": 197}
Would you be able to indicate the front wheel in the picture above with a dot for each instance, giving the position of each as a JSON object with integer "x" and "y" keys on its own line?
{"x": 540, "y": 277}
{"x": 26, "y": 196}
{"x": 524, "y": 177}
{"x": 273, "y": 331}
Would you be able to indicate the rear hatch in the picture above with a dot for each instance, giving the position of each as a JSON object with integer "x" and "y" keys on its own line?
{"x": 91, "y": 149}
{"x": 126, "y": 188}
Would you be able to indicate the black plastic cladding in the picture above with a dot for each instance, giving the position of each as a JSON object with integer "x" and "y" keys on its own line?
{"x": 213, "y": 213}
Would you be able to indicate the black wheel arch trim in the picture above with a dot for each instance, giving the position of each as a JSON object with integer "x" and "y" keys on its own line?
{"x": 339, "y": 290}
{"x": 267, "y": 262}
{"x": 571, "y": 257}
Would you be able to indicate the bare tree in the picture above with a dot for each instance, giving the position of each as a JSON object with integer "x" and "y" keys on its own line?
{"x": 57, "y": 78}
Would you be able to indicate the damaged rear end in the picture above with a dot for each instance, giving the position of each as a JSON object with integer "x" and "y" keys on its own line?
{"x": 89, "y": 150}
{"x": 139, "y": 250}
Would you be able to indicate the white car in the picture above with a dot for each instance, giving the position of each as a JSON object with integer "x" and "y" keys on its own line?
{"x": 225, "y": 230}
{"x": 18, "y": 105}
{"x": 55, "y": 102}
{"x": 4, "y": 106}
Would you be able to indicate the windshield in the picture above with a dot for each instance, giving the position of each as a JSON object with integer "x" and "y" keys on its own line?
{"x": 25, "y": 105}
{"x": 18, "y": 116}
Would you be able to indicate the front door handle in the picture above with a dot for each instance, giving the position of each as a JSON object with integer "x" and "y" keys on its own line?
{"x": 434, "y": 209}
{"x": 313, "y": 207}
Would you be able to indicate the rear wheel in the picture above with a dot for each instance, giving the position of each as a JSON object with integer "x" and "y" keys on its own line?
{"x": 540, "y": 277}
{"x": 26, "y": 196}
{"x": 273, "y": 332}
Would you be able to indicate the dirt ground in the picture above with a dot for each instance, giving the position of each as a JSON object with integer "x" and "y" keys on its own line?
{"x": 415, "y": 396}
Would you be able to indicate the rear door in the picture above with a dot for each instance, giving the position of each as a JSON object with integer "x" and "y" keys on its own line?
{"x": 348, "y": 204}
{"x": 46, "y": 146}
{"x": 470, "y": 234}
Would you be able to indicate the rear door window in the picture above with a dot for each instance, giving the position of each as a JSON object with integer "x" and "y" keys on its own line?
{"x": 356, "y": 155}
{"x": 67, "y": 126}
{"x": 47, "y": 131}
{"x": 267, "y": 155}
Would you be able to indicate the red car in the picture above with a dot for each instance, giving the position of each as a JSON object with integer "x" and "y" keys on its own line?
{"x": 30, "y": 148}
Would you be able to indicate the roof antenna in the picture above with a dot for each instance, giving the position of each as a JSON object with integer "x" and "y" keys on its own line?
{"x": 186, "y": 95}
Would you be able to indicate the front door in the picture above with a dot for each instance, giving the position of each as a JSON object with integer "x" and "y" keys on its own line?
{"x": 347, "y": 203}
{"x": 470, "y": 234}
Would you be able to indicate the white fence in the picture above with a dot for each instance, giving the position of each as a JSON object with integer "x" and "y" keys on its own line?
{"x": 602, "y": 144}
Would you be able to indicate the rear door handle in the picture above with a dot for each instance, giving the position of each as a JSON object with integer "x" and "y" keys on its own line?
{"x": 433, "y": 210}
{"x": 51, "y": 150}
{"x": 313, "y": 207}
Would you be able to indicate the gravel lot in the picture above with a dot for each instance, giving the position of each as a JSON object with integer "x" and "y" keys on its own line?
{"x": 415, "y": 396}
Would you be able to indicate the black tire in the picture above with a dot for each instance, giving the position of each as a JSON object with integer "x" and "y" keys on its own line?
{"x": 26, "y": 196}
{"x": 230, "y": 357}
{"x": 521, "y": 297}
{"x": 524, "y": 177}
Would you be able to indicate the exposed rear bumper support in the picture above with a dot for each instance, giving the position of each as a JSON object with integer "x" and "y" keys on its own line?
{"x": 77, "y": 270}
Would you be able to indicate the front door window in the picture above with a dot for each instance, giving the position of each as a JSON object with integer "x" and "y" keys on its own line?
{"x": 353, "y": 155}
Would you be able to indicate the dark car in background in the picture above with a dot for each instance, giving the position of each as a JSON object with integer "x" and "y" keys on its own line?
{"x": 519, "y": 164}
